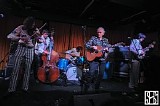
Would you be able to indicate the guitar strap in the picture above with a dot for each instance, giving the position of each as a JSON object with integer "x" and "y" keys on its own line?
{"x": 103, "y": 53}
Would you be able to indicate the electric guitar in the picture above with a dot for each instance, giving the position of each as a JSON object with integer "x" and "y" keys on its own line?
{"x": 92, "y": 54}
{"x": 142, "y": 52}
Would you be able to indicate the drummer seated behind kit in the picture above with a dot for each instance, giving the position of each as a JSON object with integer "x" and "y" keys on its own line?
{"x": 73, "y": 53}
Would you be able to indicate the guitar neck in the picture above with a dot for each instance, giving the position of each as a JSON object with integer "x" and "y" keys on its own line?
{"x": 146, "y": 49}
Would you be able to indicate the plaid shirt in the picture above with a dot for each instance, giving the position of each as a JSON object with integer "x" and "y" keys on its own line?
{"x": 95, "y": 41}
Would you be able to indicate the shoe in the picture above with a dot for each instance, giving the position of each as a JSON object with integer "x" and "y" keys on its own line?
{"x": 131, "y": 86}
{"x": 124, "y": 93}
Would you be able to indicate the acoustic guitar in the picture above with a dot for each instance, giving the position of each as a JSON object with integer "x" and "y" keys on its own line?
{"x": 92, "y": 54}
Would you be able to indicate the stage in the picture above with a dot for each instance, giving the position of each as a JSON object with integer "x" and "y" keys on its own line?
{"x": 112, "y": 92}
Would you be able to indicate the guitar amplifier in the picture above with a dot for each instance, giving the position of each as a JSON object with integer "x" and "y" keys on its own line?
{"x": 119, "y": 58}
{"x": 124, "y": 50}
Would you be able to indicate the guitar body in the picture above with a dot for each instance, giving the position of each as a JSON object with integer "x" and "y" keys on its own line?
{"x": 91, "y": 55}
{"x": 142, "y": 53}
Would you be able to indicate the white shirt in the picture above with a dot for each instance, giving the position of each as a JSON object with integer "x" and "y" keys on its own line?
{"x": 70, "y": 52}
{"x": 40, "y": 47}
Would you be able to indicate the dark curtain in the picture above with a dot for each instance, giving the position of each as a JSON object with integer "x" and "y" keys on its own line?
{"x": 66, "y": 35}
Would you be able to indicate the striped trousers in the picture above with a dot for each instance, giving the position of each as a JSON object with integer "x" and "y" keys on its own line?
{"x": 22, "y": 54}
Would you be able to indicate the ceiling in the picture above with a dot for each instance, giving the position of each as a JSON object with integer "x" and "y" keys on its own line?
{"x": 88, "y": 12}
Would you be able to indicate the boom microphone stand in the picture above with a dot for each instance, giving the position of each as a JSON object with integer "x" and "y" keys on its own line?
{"x": 4, "y": 58}
{"x": 83, "y": 80}
{"x": 84, "y": 42}
{"x": 4, "y": 73}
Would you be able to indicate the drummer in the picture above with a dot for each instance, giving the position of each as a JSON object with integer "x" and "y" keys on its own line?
{"x": 73, "y": 53}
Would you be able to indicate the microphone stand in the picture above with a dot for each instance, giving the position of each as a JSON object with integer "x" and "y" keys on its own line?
{"x": 4, "y": 74}
{"x": 4, "y": 58}
{"x": 84, "y": 42}
{"x": 83, "y": 80}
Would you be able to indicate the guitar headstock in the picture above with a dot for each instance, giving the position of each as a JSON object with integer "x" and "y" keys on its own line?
{"x": 152, "y": 44}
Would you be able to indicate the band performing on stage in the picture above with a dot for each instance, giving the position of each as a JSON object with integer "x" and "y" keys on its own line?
{"x": 83, "y": 65}
{"x": 79, "y": 52}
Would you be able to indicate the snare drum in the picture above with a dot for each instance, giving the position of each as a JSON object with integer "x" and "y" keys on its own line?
{"x": 62, "y": 64}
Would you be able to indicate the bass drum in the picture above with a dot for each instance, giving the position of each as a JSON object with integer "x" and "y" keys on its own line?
{"x": 73, "y": 73}
{"x": 62, "y": 64}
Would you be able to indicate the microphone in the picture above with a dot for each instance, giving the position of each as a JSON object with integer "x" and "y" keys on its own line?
{"x": 129, "y": 37}
{"x": 84, "y": 26}
{"x": 1, "y": 15}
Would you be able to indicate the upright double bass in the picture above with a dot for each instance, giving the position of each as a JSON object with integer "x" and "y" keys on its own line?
{"x": 49, "y": 72}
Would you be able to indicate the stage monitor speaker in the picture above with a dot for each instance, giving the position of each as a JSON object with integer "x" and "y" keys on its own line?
{"x": 8, "y": 69}
{"x": 124, "y": 50}
{"x": 91, "y": 99}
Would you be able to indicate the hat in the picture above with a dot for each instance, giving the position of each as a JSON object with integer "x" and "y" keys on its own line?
{"x": 141, "y": 35}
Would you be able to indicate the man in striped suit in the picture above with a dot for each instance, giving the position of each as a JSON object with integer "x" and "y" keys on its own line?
{"x": 24, "y": 35}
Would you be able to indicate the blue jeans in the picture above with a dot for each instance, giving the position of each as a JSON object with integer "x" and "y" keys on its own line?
{"x": 96, "y": 71}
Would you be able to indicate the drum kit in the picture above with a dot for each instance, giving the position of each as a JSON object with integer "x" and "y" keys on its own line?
{"x": 71, "y": 69}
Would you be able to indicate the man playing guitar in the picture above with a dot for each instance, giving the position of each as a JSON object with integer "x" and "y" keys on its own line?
{"x": 136, "y": 48}
{"x": 138, "y": 53}
{"x": 97, "y": 45}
